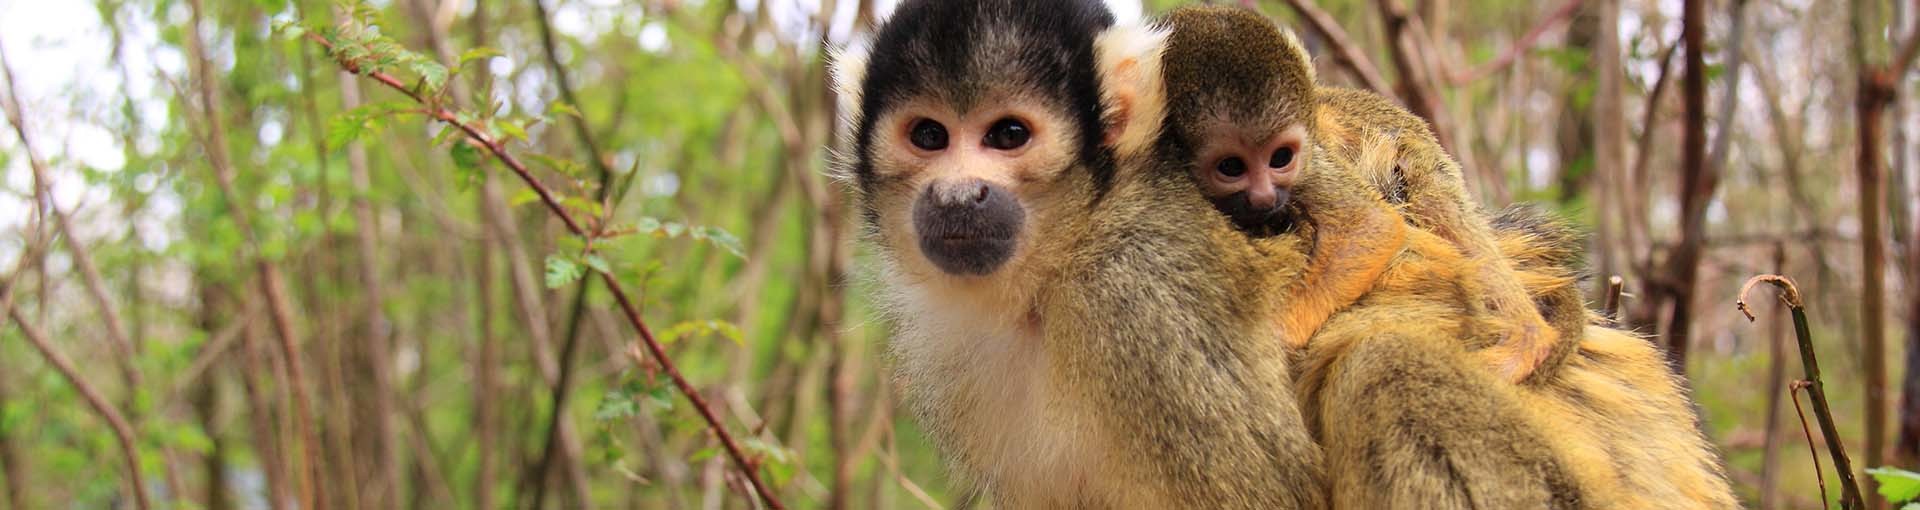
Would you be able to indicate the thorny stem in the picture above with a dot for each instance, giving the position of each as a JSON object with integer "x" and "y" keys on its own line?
{"x": 1790, "y": 294}
{"x": 498, "y": 149}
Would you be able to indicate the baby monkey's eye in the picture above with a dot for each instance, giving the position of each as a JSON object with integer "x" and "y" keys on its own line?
{"x": 1231, "y": 167}
{"x": 1281, "y": 157}
{"x": 928, "y": 135}
{"x": 1007, "y": 134}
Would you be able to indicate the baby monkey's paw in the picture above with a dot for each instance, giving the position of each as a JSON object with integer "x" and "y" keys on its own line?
{"x": 1525, "y": 346}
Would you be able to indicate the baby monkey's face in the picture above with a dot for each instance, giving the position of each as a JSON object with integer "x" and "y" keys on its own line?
{"x": 1240, "y": 96}
{"x": 1248, "y": 169}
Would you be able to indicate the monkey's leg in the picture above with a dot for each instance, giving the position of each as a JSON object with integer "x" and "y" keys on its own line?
{"x": 1407, "y": 423}
{"x": 1437, "y": 201}
{"x": 1546, "y": 255}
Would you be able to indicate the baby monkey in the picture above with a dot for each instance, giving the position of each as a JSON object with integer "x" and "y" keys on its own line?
{"x": 1243, "y": 104}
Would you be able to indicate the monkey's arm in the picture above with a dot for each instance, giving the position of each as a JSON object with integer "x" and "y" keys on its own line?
{"x": 1432, "y": 189}
{"x": 1355, "y": 235}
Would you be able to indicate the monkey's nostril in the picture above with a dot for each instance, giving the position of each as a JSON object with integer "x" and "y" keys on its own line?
{"x": 980, "y": 191}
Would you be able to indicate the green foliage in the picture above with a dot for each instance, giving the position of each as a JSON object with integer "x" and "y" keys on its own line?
{"x": 1897, "y": 485}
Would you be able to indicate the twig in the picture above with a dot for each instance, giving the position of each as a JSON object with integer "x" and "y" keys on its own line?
{"x": 497, "y": 148}
{"x": 1819, "y": 474}
{"x": 570, "y": 345}
{"x": 122, "y": 431}
{"x": 1790, "y": 294}
{"x": 1523, "y": 45}
{"x": 1345, "y": 52}
{"x": 1615, "y": 286}
{"x": 272, "y": 288}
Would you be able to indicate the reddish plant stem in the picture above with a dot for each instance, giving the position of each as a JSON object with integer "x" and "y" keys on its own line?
{"x": 627, "y": 308}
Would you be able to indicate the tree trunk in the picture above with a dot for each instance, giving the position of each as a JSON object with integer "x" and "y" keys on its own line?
{"x": 1696, "y": 188}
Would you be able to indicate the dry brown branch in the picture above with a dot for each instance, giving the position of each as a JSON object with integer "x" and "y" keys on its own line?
{"x": 1615, "y": 287}
{"x": 122, "y": 431}
{"x": 1525, "y": 44}
{"x": 1345, "y": 52}
{"x": 272, "y": 286}
{"x": 1819, "y": 475}
{"x": 498, "y": 150}
{"x": 1816, "y": 392}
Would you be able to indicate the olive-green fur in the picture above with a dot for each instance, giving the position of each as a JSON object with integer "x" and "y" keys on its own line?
{"x": 1392, "y": 388}
{"x": 1145, "y": 317}
{"x": 1233, "y": 77}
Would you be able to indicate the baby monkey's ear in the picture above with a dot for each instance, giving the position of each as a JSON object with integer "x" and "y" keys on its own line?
{"x": 1132, "y": 90}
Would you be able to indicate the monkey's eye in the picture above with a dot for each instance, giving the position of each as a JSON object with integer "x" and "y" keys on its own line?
{"x": 1231, "y": 167}
{"x": 1007, "y": 134}
{"x": 1281, "y": 157}
{"x": 928, "y": 135}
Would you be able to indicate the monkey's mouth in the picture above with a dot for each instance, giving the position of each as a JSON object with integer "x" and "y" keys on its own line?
{"x": 1260, "y": 221}
{"x": 972, "y": 233}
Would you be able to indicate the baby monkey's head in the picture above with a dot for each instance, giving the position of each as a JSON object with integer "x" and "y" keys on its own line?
{"x": 1240, "y": 109}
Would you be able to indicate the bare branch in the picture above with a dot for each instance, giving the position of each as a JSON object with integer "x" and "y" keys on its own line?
{"x": 1525, "y": 44}
{"x": 1344, "y": 50}
{"x": 1790, "y": 294}
{"x": 122, "y": 431}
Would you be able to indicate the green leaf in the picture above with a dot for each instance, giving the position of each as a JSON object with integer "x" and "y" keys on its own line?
{"x": 562, "y": 108}
{"x": 703, "y": 328}
{"x": 478, "y": 53}
{"x": 616, "y": 405}
{"x": 562, "y": 271}
{"x": 598, "y": 264}
{"x": 720, "y": 237}
{"x": 523, "y": 197}
{"x": 466, "y": 159}
{"x": 1897, "y": 485}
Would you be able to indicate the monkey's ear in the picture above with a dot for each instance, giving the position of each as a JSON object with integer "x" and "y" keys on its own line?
{"x": 849, "y": 74}
{"x": 1132, "y": 91}
{"x": 1298, "y": 52}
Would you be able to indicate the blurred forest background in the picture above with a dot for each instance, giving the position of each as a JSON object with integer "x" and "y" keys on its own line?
{"x": 237, "y": 275}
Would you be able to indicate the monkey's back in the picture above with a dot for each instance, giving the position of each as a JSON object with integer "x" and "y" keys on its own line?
{"x": 1388, "y": 387}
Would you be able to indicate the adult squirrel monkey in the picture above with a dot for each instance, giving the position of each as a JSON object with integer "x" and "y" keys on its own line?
{"x": 1066, "y": 332}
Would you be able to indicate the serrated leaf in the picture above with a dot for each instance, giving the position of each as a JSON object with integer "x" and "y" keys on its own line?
{"x": 598, "y": 264}
{"x": 615, "y": 405}
{"x": 510, "y": 130}
{"x": 478, "y": 53}
{"x": 562, "y": 271}
{"x": 523, "y": 197}
{"x": 725, "y": 240}
{"x": 1897, "y": 485}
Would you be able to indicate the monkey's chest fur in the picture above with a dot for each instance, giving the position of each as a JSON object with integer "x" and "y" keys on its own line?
{"x": 989, "y": 394}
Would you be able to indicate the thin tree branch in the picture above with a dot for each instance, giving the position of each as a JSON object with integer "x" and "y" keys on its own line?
{"x": 498, "y": 149}
{"x": 122, "y": 431}
{"x": 571, "y": 344}
{"x": 1525, "y": 44}
{"x": 1816, "y": 392}
{"x": 1345, "y": 52}
{"x": 272, "y": 288}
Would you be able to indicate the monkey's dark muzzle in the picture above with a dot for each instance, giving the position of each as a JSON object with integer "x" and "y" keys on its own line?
{"x": 1258, "y": 220}
{"x": 969, "y": 227}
